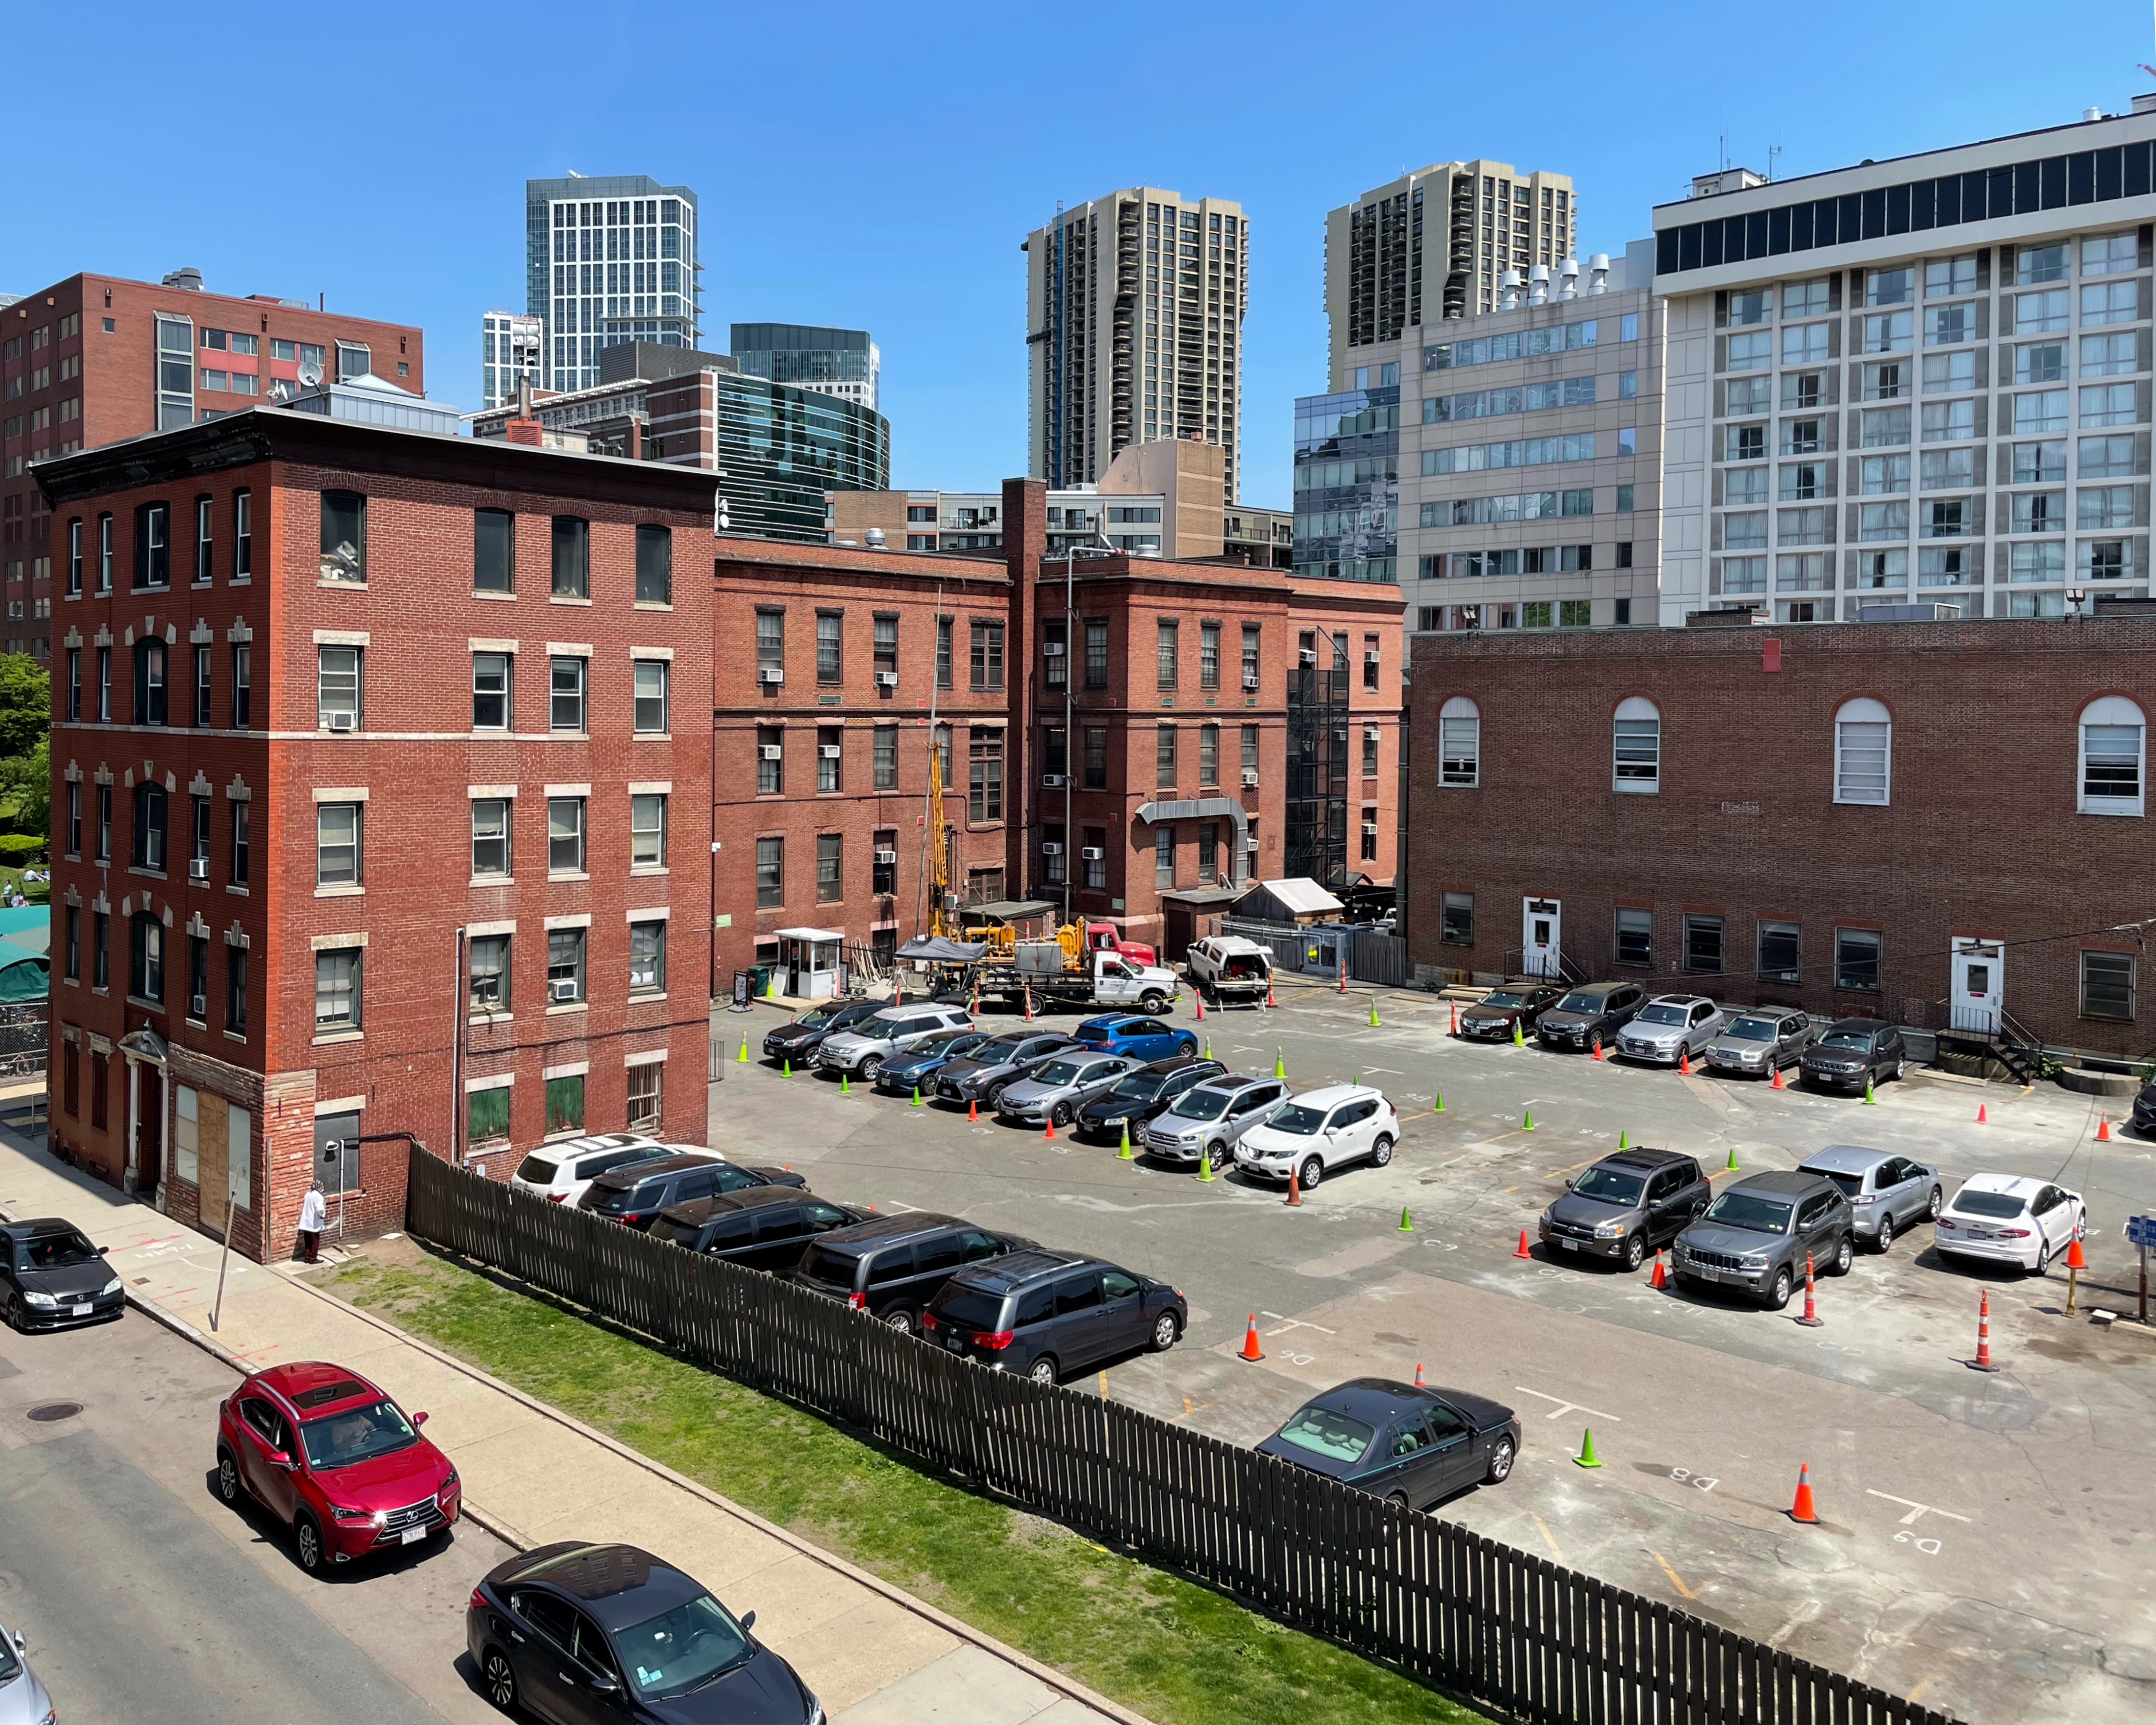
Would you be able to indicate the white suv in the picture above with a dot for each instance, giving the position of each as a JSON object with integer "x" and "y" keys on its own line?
{"x": 864, "y": 1048}
{"x": 1319, "y": 1131}
{"x": 559, "y": 1172}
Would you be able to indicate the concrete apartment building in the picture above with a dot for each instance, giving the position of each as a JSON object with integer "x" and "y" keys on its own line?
{"x": 608, "y": 259}
{"x": 1134, "y": 314}
{"x": 93, "y": 359}
{"x": 280, "y": 743}
{"x": 1924, "y": 381}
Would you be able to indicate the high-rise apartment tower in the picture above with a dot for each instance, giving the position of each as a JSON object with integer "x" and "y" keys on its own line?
{"x": 607, "y": 261}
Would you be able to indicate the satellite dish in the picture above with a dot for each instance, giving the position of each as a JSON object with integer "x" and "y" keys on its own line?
{"x": 310, "y": 375}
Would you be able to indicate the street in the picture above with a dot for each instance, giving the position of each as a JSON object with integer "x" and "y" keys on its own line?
{"x": 1976, "y": 1549}
{"x": 142, "y": 1598}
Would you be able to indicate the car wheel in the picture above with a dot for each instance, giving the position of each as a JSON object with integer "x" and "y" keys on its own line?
{"x": 307, "y": 1540}
{"x": 1635, "y": 1250}
{"x": 1216, "y": 1152}
{"x": 1885, "y": 1242}
{"x": 1844, "y": 1255}
{"x": 1398, "y": 1500}
{"x": 1777, "y": 1296}
{"x": 1165, "y": 1330}
{"x": 993, "y": 1097}
{"x": 900, "y": 1319}
{"x": 1900, "y": 1067}
{"x": 1312, "y": 1171}
{"x": 1381, "y": 1152}
{"x": 1060, "y": 1114}
{"x": 227, "y": 1477}
{"x": 501, "y": 1679}
{"x": 1042, "y": 1370}
{"x": 2042, "y": 1266}
{"x": 1500, "y": 1461}
{"x": 1938, "y": 1202}
{"x": 870, "y": 1067}
{"x": 1153, "y": 1001}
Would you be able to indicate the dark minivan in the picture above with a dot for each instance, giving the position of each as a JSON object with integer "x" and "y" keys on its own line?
{"x": 1854, "y": 1053}
{"x": 763, "y": 1228}
{"x": 1047, "y": 1314}
{"x": 637, "y": 1193}
{"x": 892, "y": 1266}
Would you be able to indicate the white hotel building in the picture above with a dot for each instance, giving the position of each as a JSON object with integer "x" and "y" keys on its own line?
{"x": 1921, "y": 381}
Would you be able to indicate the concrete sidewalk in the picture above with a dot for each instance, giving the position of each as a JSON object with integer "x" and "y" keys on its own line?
{"x": 874, "y": 1655}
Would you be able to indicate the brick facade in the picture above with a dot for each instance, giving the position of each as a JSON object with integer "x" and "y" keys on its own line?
{"x": 1981, "y": 835}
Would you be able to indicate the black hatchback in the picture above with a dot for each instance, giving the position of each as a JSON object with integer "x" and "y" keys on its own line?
{"x": 763, "y": 1228}
{"x": 1404, "y": 1441}
{"x": 1141, "y": 1095}
{"x": 574, "y": 1632}
{"x": 1048, "y": 1314}
{"x": 52, "y": 1277}
{"x": 636, "y": 1195}
{"x": 892, "y": 1266}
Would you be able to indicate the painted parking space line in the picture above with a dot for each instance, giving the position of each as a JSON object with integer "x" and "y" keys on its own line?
{"x": 1549, "y": 1539}
{"x": 1293, "y": 1323}
{"x": 1565, "y": 1407}
{"x": 1676, "y": 1580}
{"x": 1918, "y": 1510}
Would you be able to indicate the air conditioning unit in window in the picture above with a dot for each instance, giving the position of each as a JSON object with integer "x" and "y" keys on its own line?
{"x": 1250, "y": 778}
{"x": 887, "y": 858}
{"x": 1051, "y": 649}
{"x": 771, "y": 674}
{"x": 343, "y": 721}
{"x": 198, "y": 868}
{"x": 1310, "y": 655}
{"x": 830, "y": 751}
{"x": 1092, "y": 853}
{"x": 1251, "y": 683}
{"x": 771, "y": 751}
{"x": 197, "y": 1006}
{"x": 563, "y": 987}
{"x": 886, "y": 680}
{"x": 1370, "y": 828}
{"x": 1371, "y": 657}
{"x": 1051, "y": 849}
{"x": 1371, "y": 733}
{"x": 1054, "y": 781}
{"x": 1250, "y": 844}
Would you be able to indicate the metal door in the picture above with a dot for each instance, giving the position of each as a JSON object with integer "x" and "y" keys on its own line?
{"x": 1979, "y": 986}
{"x": 1540, "y": 929}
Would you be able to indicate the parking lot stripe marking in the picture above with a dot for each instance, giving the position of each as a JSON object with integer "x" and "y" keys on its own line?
{"x": 1918, "y": 1510}
{"x": 1565, "y": 1407}
{"x": 1556, "y": 1551}
{"x": 1294, "y": 1324}
{"x": 1104, "y": 1386}
{"x": 1676, "y": 1580}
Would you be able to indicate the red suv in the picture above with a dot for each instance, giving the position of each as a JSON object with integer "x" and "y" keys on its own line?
{"x": 324, "y": 1450}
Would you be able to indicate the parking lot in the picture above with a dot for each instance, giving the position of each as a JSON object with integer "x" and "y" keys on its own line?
{"x": 1978, "y": 1532}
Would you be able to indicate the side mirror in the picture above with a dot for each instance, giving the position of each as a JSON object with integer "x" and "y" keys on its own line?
{"x": 20, "y": 1645}
{"x": 103, "y": 1251}
{"x": 418, "y": 1420}
{"x": 603, "y": 1684}
{"x": 749, "y": 1619}
{"x": 279, "y": 1458}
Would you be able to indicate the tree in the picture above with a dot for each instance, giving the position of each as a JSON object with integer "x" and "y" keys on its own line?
{"x": 26, "y": 704}
{"x": 26, "y": 790}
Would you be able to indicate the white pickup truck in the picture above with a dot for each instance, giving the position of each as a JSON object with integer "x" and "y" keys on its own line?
{"x": 1101, "y": 979}
{"x": 1230, "y": 967}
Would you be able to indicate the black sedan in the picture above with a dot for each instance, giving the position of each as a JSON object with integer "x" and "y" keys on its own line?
{"x": 1499, "y": 1013}
{"x": 577, "y": 1633}
{"x": 802, "y": 1038}
{"x": 1143, "y": 1094}
{"x": 1402, "y": 1441}
{"x": 2145, "y": 1112}
{"x": 52, "y": 1277}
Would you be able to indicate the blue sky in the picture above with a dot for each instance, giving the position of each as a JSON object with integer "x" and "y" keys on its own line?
{"x": 877, "y": 165}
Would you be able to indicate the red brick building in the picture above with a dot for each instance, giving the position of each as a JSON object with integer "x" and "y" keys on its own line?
{"x": 94, "y": 359}
{"x": 380, "y": 808}
{"x": 1933, "y": 822}
{"x": 1187, "y": 684}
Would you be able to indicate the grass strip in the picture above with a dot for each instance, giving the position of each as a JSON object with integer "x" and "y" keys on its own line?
{"x": 1178, "y": 1652}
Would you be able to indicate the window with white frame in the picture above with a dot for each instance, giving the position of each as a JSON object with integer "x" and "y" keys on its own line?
{"x": 647, "y": 830}
{"x": 337, "y": 844}
{"x": 646, "y": 1092}
{"x": 1459, "y": 742}
{"x": 490, "y": 823}
{"x": 2114, "y": 742}
{"x": 1863, "y": 751}
{"x": 1637, "y": 744}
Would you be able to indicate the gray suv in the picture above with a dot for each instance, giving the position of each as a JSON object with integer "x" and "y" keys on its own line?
{"x": 1669, "y": 1027}
{"x": 1757, "y": 1233}
{"x": 1761, "y": 1040}
{"x": 1887, "y": 1193}
{"x": 1595, "y": 1011}
{"x": 1062, "y": 1085}
{"x": 861, "y": 1048}
{"x": 1626, "y": 1206}
{"x": 1208, "y": 1121}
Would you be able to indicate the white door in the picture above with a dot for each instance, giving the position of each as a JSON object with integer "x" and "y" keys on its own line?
{"x": 1979, "y": 986}
{"x": 1539, "y": 936}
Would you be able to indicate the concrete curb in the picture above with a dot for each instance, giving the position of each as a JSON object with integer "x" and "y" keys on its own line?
{"x": 1048, "y": 1675}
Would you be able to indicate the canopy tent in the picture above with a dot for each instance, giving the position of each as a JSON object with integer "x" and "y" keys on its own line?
{"x": 937, "y": 949}
{"x": 28, "y": 978}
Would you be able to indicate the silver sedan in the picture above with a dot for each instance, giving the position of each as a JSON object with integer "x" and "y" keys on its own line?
{"x": 1059, "y": 1088}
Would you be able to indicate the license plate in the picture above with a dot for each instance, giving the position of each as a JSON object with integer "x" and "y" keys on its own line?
{"x": 1708, "y": 1275}
{"x": 412, "y": 1536}
{"x": 1570, "y": 1246}
{"x": 82, "y": 1309}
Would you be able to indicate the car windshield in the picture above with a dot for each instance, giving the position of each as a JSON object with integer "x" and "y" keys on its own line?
{"x": 1201, "y": 1104}
{"x": 1302, "y": 1121}
{"x": 1589, "y": 1003}
{"x": 1504, "y": 998}
{"x": 1751, "y": 1030}
{"x": 357, "y": 1434}
{"x": 10, "y": 1666}
{"x": 1323, "y": 1432}
{"x": 1141, "y": 1086}
{"x": 537, "y": 1170}
{"x": 1608, "y": 1186}
{"x": 949, "y": 1043}
{"x": 682, "y": 1649}
{"x": 997, "y": 1050}
{"x": 1853, "y": 1185}
{"x": 818, "y": 1018}
{"x": 1748, "y": 1209}
{"x": 1998, "y": 1205}
{"x": 54, "y": 1251}
{"x": 834, "y": 1269}
{"x": 1057, "y": 1072}
{"x": 1661, "y": 1015}
{"x": 1859, "y": 1040}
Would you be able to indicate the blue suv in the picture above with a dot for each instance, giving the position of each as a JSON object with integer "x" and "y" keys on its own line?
{"x": 920, "y": 1063}
{"x": 1142, "y": 1039}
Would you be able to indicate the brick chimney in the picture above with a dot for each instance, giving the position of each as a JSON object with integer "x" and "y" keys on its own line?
{"x": 523, "y": 429}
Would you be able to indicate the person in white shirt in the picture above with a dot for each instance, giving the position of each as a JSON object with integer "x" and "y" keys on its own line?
{"x": 314, "y": 1212}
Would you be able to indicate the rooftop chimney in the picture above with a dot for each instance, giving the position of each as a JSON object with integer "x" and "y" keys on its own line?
{"x": 1508, "y": 290}
{"x": 1568, "y": 278}
{"x": 1538, "y": 278}
{"x": 873, "y": 538}
{"x": 186, "y": 278}
{"x": 1598, "y": 273}
{"x": 2092, "y": 113}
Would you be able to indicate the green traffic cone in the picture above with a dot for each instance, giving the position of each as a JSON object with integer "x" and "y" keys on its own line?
{"x": 1407, "y": 1223}
{"x": 846, "y": 1083}
{"x": 1518, "y": 1040}
{"x": 1732, "y": 1168}
{"x": 788, "y": 1072}
{"x": 1870, "y": 1100}
{"x": 1624, "y": 1139}
{"x": 1209, "y": 1048}
{"x": 1374, "y": 1025}
{"x": 1587, "y": 1457}
{"x": 916, "y": 1103}
{"x": 1528, "y": 1123}
{"x": 1124, "y": 1154}
{"x": 741, "y": 1058}
{"x": 1439, "y": 1106}
{"x": 1204, "y": 1165}
{"x": 1279, "y": 1064}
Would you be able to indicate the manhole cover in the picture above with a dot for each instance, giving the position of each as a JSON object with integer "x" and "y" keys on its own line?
{"x": 49, "y": 1412}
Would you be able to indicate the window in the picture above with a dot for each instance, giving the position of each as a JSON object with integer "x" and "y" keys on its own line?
{"x": 565, "y": 967}
{"x": 1456, "y": 924}
{"x": 2041, "y": 362}
{"x": 883, "y": 870}
{"x": 100, "y": 950}
{"x": 1863, "y": 751}
{"x": 572, "y": 558}
{"x": 2104, "y": 507}
{"x": 1097, "y": 758}
{"x": 1880, "y": 428}
{"x": 1170, "y": 631}
{"x": 646, "y": 1089}
{"x": 153, "y": 545}
{"x": 243, "y": 534}
{"x": 1635, "y": 937}
{"x": 490, "y": 838}
{"x": 1949, "y": 326}
{"x": 565, "y": 1104}
{"x": 235, "y": 1021}
{"x": 75, "y": 558}
{"x": 2111, "y": 302}
{"x": 2040, "y": 412}
{"x": 1753, "y": 352}
{"x": 149, "y": 848}
{"x": 1955, "y": 469}
{"x": 146, "y": 957}
{"x": 943, "y": 667}
{"x": 2108, "y": 985}
{"x": 565, "y": 835}
{"x": 490, "y": 703}
{"x": 337, "y": 687}
{"x": 104, "y": 554}
{"x": 770, "y": 873}
{"x": 149, "y": 682}
{"x": 105, "y": 823}
{"x": 770, "y": 644}
{"x": 654, "y": 565}
{"x": 885, "y": 644}
{"x": 337, "y": 844}
{"x": 830, "y": 757}
{"x": 203, "y": 541}
{"x": 2107, "y": 405}
{"x": 2108, "y": 355}
{"x": 647, "y": 958}
{"x": 344, "y": 536}
{"x": 239, "y": 845}
{"x": 1889, "y": 333}
{"x": 489, "y": 973}
{"x": 202, "y": 688}
{"x": 1637, "y": 745}
{"x": 987, "y": 654}
{"x": 831, "y": 868}
{"x": 1208, "y": 655}
{"x": 1252, "y": 637}
{"x": 2102, "y": 458}
{"x": 830, "y": 659}
{"x": 2113, "y": 739}
{"x": 651, "y": 702}
{"x": 1094, "y": 857}
{"x": 1096, "y": 651}
{"x": 1208, "y": 755}
{"x": 885, "y": 757}
{"x": 337, "y": 989}
{"x": 770, "y": 760}
{"x": 1781, "y": 951}
{"x": 73, "y": 948}
{"x": 243, "y": 657}
{"x": 1703, "y": 944}
{"x": 647, "y": 830}
{"x": 1371, "y": 658}
{"x": 984, "y": 784}
{"x": 1163, "y": 776}
{"x": 566, "y": 681}
{"x": 197, "y": 1006}
{"x": 75, "y": 818}
{"x": 1164, "y": 856}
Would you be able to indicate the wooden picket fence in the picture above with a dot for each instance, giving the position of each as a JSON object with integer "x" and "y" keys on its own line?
{"x": 1507, "y": 1628}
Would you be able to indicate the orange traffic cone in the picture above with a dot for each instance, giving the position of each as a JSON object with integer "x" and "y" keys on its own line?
{"x": 1250, "y": 1348}
{"x": 1522, "y": 1251}
{"x": 897, "y": 990}
{"x": 1982, "y": 1362}
{"x": 1048, "y": 1127}
{"x": 1660, "y": 1278}
{"x": 1684, "y": 1064}
{"x": 1811, "y": 1320}
{"x": 1455, "y": 1018}
{"x": 1201, "y": 1008}
{"x": 1597, "y": 1048}
{"x": 1028, "y": 1003}
{"x": 1982, "y": 1115}
{"x": 1803, "y": 1510}
{"x": 1294, "y": 1187}
{"x": 1779, "y": 1085}
{"x": 1418, "y": 1374}
{"x": 1270, "y": 1000}
{"x": 2076, "y": 1258}
{"x": 1343, "y": 980}
{"x": 973, "y": 1113}
{"x": 2103, "y": 1130}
